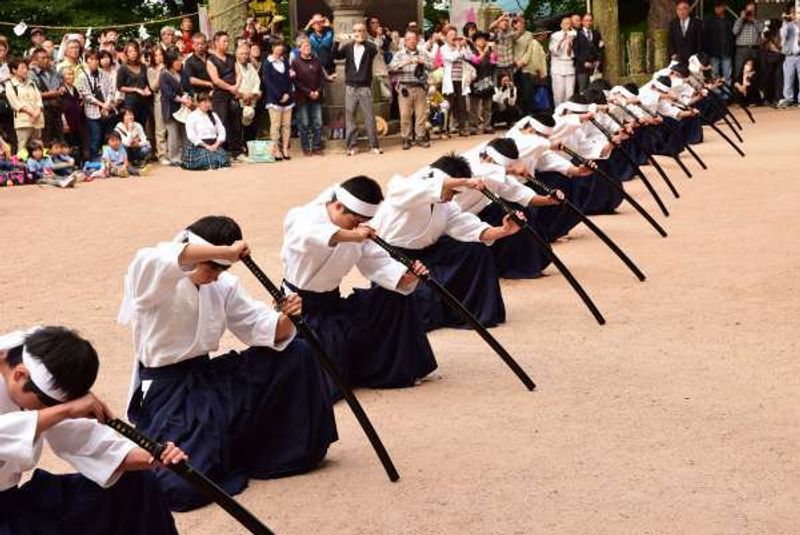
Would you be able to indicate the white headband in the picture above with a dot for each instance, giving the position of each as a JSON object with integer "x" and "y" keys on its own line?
{"x": 194, "y": 239}
{"x": 622, "y": 90}
{"x": 498, "y": 158}
{"x": 353, "y": 203}
{"x": 661, "y": 87}
{"x": 41, "y": 376}
{"x": 573, "y": 106}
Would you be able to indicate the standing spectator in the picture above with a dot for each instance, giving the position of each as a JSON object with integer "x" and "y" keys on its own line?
{"x": 685, "y": 34}
{"x": 321, "y": 36}
{"x": 184, "y": 42}
{"x": 74, "y": 116}
{"x": 205, "y": 134}
{"x": 98, "y": 101}
{"x": 7, "y": 131}
{"x": 49, "y": 83}
{"x": 309, "y": 80}
{"x": 280, "y": 100}
{"x": 504, "y": 36}
{"x": 154, "y": 71}
{"x": 772, "y": 65}
{"x": 249, "y": 90}
{"x": 562, "y": 61}
{"x": 168, "y": 39}
{"x": 172, "y": 100}
{"x": 133, "y": 139}
{"x": 790, "y": 39}
{"x": 377, "y": 36}
{"x": 260, "y": 120}
{"x": 358, "y": 55}
{"x": 482, "y": 89}
{"x": 577, "y": 21}
{"x": 109, "y": 65}
{"x": 588, "y": 50}
{"x": 412, "y": 65}
{"x": 530, "y": 61}
{"x": 226, "y": 79}
{"x": 195, "y": 78}
{"x": 108, "y": 42}
{"x": 72, "y": 51}
{"x": 26, "y": 100}
{"x": 132, "y": 82}
{"x": 37, "y": 38}
{"x": 468, "y": 31}
{"x": 747, "y": 30}
{"x": 718, "y": 40}
{"x": 454, "y": 53}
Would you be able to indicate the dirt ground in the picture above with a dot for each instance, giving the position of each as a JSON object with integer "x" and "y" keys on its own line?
{"x": 678, "y": 416}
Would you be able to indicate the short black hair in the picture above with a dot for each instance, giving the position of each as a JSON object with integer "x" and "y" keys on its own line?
{"x": 720, "y": 3}
{"x": 577, "y": 98}
{"x": 34, "y": 144}
{"x": 219, "y": 34}
{"x": 601, "y": 83}
{"x": 70, "y": 359}
{"x": 15, "y": 62}
{"x": 113, "y": 135}
{"x": 453, "y": 165}
{"x": 545, "y": 118}
{"x": 681, "y": 68}
{"x": 364, "y": 188}
{"x": 595, "y": 96}
{"x": 665, "y": 80}
{"x": 217, "y": 229}
{"x": 632, "y": 87}
{"x": 505, "y": 146}
{"x": 704, "y": 59}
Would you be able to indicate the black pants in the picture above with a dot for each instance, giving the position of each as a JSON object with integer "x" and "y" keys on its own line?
{"x": 524, "y": 83}
{"x": 53, "y": 125}
{"x": 458, "y": 108}
{"x": 7, "y": 131}
{"x": 230, "y": 113}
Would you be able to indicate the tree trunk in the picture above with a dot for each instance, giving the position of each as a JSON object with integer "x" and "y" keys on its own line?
{"x": 227, "y": 18}
{"x": 661, "y": 12}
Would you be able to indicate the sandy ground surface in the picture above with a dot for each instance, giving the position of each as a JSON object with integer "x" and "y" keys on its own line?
{"x": 679, "y": 416}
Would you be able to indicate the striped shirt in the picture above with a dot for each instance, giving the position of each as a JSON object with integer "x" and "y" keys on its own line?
{"x": 748, "y": 33}
{"x": 504, "y": 48}
{"x": 404, "y": 65}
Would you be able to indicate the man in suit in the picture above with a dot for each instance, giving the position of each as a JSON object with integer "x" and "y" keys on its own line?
{"x": 685, "y": 34}
{"x": 588, "y": 51}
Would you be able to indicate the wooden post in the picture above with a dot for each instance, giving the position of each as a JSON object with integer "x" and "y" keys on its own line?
{"x": 606, "y": 19}
{"x": 229, "y": 16}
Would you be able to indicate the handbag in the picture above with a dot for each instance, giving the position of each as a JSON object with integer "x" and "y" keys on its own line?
{"x": 260, "y": 151}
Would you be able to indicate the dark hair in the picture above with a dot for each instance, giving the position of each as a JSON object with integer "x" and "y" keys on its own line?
{"x": 505, "y": 146}
{"x": 35, "y": 144}
{"x": 203, "y": 97}
{"x": 480, "y": 35}
{"x": 91, "y": 54}
{"x": 136, "y": 47}
{"x": 105, "y": 54}
{"x": 679, "y": 2}
{"x": 595, "y": 96}
{"x": 126, "y": 111}
{"x": 453, "y": 165}
{"x": 217, "y": 229}
{"x": 219, "y": 34}
{"x": 632, "y": 87}
{"x": 199, "y": 35}
{"x": 577, "y": 98}
{"x": 467, "y": 27}
{"x": 39, "y": 50}
{"x": 171, "y": 57}
{"x": 113, "y": 135}
{"x": 720, "y": 3}
{"x": 14, "y": 63}
{"x": 681, "y": 68}
{"x": 71, "y": 360}
{"x": 704, "y": 59}
{"x": 664, "y": 80}
{"x": 601, "y": 84}
{"x": 364, "y": 188}
{"x": 545, "y": 118}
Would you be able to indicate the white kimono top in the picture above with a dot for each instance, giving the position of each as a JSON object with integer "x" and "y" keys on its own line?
{"x": 649, "y": 98}
{"x": 173, "y": 320}
{"x": 413, "y": 215}
{"x": 311, "y": 264}
{"x": 497, "y": 181}
{"x": 92, "y": 449}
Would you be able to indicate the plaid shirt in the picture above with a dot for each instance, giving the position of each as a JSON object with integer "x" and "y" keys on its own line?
{"x": 504, "y": 48}
{"x": 404, "y": 64}
{"x": 748, "y": 33}
{"x": 88, "y": 86}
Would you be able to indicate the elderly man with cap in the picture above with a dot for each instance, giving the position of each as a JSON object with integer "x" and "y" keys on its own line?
{"x": 374, "y": 335}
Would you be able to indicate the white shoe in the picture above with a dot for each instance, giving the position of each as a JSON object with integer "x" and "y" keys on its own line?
{"x": 165, "y": 162}
{"x": 67, "y": 182}
{"x": 376, "y": 150}
{"x": 242, "y": 158}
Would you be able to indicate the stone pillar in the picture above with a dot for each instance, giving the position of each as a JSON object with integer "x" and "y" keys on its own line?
{"x": 226, "y": 15}
{"x": 606, "y": 19}
{"x": 636, "y": 53}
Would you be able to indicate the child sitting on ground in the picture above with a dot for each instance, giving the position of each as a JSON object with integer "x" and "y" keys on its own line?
{"x": 63, "y": 163}
{"x": 12, "y": 171}
{"x": 115, "y": 158}
{"x": 133, "y": 139}
{"x": 506, "y": 110}
{"x": 40, "y": 167}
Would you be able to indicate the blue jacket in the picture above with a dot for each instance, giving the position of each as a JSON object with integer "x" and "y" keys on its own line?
{"x": 275, "y": 84}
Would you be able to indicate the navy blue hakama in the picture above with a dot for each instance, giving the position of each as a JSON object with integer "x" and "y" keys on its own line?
{"x": 557, "y": 221}
{"x": 71, "y": 504}
{"x": 375, "y": 336}
{"x": 468, "y": 271}
{"x": 517, "y": 256}
{"x": 597, "y": 196}
{"x": 256, "y": 414}
{"x": 692, "y": 129}
{"x": 672, "y": 140}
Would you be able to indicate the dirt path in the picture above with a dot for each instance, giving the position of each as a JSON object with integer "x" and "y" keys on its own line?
{"x": 679, "y": 416}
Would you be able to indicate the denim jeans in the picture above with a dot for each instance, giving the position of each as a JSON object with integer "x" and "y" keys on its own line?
{"x": 723, "y": 66}
{"x": 139, "y": 155}
{"x": 95, "y": 129}
{"x": 309, "y": 123}
{"x": 791, "y": 72}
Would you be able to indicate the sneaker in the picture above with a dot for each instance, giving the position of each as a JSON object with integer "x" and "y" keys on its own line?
{"x": 425, "y": 144}
{"x": 376, "y": 150}
{"x": 242, "y": 158}
{"x": 144, "y": 171}
{"x": 165, "y": 162}
{"x": 406, "y": 144}
{"x": 67, "y": 182}
{"x": 784, "y": 104}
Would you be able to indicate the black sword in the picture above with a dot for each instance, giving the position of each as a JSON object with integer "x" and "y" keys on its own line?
{"x": 459, "y": 307}
{"x": 684, "y": 144}
{"x": 614, "y": 184}
{"x": 714, "y": 127}
{"x": 330, "y": 368}
{"x": 656, "y": 137}
{"x": 499, "y": 201}
{"x": 739, "y": 100}
{"x": 635, "y": 165}
{"x": 543, "y": 189}
{"x": 726, "y": 113}
{"x": 195, "y": 479}
{"x": 650, "y": 158}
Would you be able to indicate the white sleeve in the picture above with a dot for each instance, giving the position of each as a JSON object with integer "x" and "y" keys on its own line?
{"x": 376, "y": 265}
{"x": 667, "y": 109}
{"x": 154, "y": 273}
{"x": 126, "y": 137}
{"x": 515, "y": 191}
{"x": 191, "y": 130}
{"x": 565, "y": 127}
{"x": 304, "y": 235}
{"x": 221, "y": 133}
{"x": 17, "y": 440}
{"x": 92, "y": 449}
{"x": 251, "y": 321}
{"x": 553, "y": 162}
{"x": 408, "y": 192}
{"x": 463, "y": 226}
